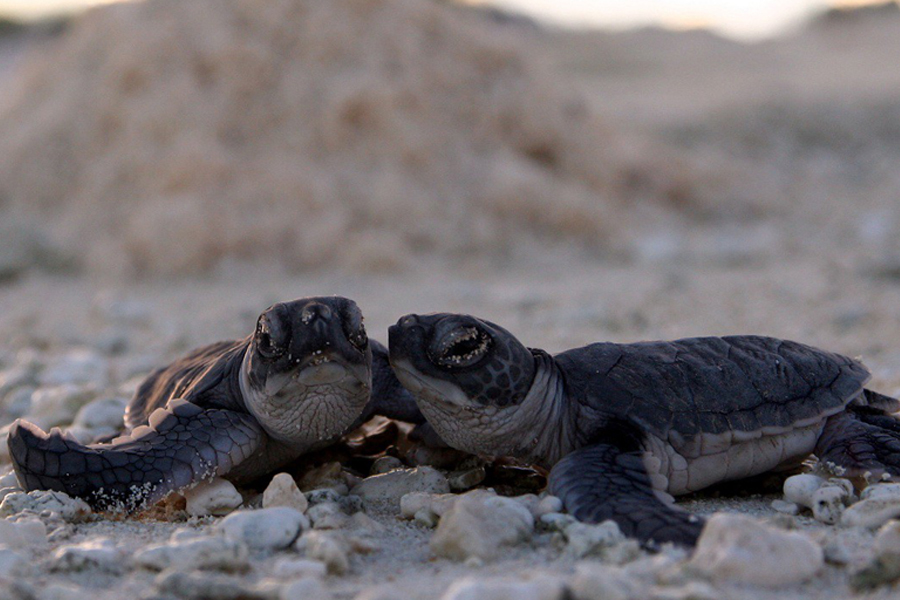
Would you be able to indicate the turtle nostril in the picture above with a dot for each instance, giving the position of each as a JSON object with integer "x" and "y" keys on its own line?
{"x": 314, "y": 311}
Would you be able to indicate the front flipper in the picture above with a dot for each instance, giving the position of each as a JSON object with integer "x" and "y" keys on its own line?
{"x": 603, "y": 481}
{"x": 182, "y": 445}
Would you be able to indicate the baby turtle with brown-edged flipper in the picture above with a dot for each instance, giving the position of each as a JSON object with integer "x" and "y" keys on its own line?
{"x": 623, "y": 427}
{"x": 237, "y": 409}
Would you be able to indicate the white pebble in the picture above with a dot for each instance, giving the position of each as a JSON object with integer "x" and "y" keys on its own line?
{"x": 479, "y": 524}
{"x": 828, "y": 503}
{"x": 327, "y": 515}
{"x": 392, "y": 486}
{"x": 327, "y": 548}
{"x": 304, "y": 589}
{"x": 28, "y": 532}
{"x": 11, "y": 563}
{"x": 266, "y": 529}
{"x": 879, "y": 491}
{"x": 103, "y": 414}
{"x": 414, "y": 502}
{"x": 207, "y": 552}
{"x": 283, "y": 491}
{"x": 584, "y": 539}
{"x": 296, "y": 568}
{"x": 887, "y": 540}
{"x": 740, "y": 549}
{"x": 596, "y": 581}
{"x": 785, "y": 507}
{"x": 470, "y": 588}
{"x": 217, "y": 497}
{"x": 101, "y": 554}
{"x": 799, "y": 489}
{"x": 871, "y": 512}
{"x": 68, "y": 508}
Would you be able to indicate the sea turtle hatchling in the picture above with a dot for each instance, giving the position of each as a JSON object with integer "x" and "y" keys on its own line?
{"x": 623, "y": 427}
{"x": 236, "y": 409}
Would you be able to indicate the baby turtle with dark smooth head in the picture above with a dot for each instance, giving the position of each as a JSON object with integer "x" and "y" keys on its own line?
{"x": 237, "y": 409}
{"x": 625, "y": 426}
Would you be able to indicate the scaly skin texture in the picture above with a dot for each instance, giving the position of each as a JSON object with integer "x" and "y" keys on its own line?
{"x": 617, "y": 422}
{"x": 235, "y": 409}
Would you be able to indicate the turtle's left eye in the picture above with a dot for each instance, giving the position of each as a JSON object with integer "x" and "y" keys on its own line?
{"x": 462, "y": 347}
{"x": 270, "y": 339}
{"x": 355, "y": 330}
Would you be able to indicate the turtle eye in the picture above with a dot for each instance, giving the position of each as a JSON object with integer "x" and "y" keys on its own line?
{"x": 462, "y": 347}
{"x": 270, "y": 340}
{"x": 355, "y": 330}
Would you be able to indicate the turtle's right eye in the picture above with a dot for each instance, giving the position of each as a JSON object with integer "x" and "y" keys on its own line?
{"x": 270, "y": 339}
{"x": 461, "y": 347}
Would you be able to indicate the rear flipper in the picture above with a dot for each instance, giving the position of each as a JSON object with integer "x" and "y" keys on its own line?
{"x": 182, "y": 445}
{"x": 604, "y": 481}
{"x": 862, "y": 439}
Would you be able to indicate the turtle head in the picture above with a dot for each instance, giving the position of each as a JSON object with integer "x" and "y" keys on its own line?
{"x": 467, "y": 375}
{"x": 307, "y": 371}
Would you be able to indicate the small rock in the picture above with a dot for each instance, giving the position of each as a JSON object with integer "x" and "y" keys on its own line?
{"x": 426, "y": 518}
{"x": 884, "y": 568}
{"x": 66, "y": 507}
{"x": 391, "y": 487}
{"x": 556, "y": 521}
{"x": 413, "y": 503}
{"x": 385, "y": 464}
{"x": 22, "y": 374}
{"x": 871, "y": 512}
{"x": 479, "y": 524}
{"x": 28, "y": 532}
{"x": 18, "y": 401}
{"x": 587, "y": 539}
{"x": 460, "y": 481}
{"x": 202, "y": 586}
{"x": 296, "y": 568}
{"x": 58, "y": 405}
{"x": 740, "y": 549}
{"x": 322, "y": 495}
{"x": 881, "y": 491}
{"x": 887, "y": 540}
{"x": 548, "y": 504}
{"x": 799, "y": 489}
{"x": 785, "y": 507}
{"x": 283, "y": 491}
{"x": 62, "y": 591}
{"x": 266, "y": 529}
{"x": 102, "y": 415}
{"x": 207, "y": 552}
{"x": 100, "y": 554}
{"x": 308, "y": 588}
{"x": 692, "y": 590}
{"x": 828, "y": 503}
{"x": 327, "y": 515}
{"x": 79, "y": 366}
{"x": 12, "y": 563}
{"x": 329, "y": 475}
{"x": 597, "y": 581}
{"x": 327, "y": 548}
{"x": 216, "y": 497}
{"x": 470, "y": 588}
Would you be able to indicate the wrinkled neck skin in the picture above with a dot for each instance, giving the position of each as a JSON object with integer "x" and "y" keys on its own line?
{"x": 537, "y": 430}
{"x": 305, "y": 417}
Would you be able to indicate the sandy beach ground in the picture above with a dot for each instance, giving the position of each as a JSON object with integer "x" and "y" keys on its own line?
{"x": 804, "y": 127}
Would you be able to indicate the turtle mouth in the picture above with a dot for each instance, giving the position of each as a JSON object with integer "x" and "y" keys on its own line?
{"x": 321, "y": 368}
{"x": 429, "y": 389}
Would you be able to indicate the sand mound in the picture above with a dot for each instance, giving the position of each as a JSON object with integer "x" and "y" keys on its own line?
{"x": 164, "y": 136}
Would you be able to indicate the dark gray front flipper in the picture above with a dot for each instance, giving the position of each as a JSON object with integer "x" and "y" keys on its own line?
{"x": 603, "y": 481}
{"x": 182, "y": 444}
{"x": 861, "y": 439}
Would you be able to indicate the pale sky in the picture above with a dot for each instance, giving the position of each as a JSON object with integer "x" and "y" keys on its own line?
{"x": 738, "y": 18}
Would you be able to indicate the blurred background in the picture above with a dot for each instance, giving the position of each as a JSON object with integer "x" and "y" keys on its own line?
{"x": 576, "y": 170}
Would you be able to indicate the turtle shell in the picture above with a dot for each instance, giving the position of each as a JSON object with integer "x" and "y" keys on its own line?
{"x": 711, "y": 385}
